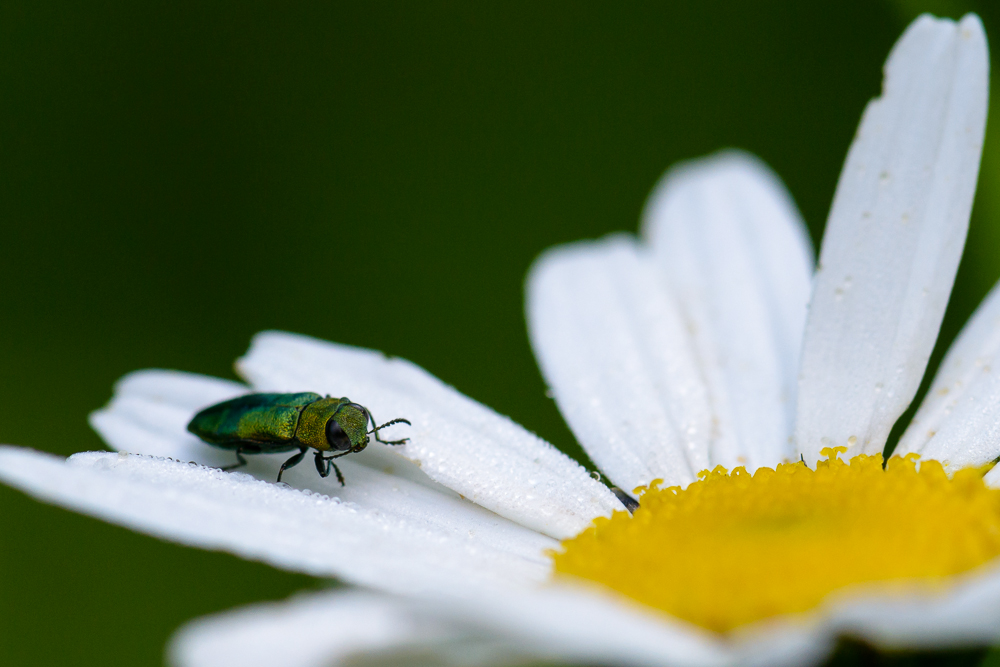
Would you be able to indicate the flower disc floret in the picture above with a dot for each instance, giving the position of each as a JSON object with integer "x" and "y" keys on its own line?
{"x": 734, "y": 548}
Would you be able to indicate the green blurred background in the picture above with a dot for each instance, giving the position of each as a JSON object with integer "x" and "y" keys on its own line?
{"x": 175, "y": 177}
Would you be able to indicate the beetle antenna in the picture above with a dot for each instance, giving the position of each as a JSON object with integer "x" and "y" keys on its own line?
{"x": 375, "y": 429}
{"x": 390, "y": 423}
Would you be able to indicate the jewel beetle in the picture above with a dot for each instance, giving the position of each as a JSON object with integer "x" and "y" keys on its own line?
{"x": 271, "y": 423}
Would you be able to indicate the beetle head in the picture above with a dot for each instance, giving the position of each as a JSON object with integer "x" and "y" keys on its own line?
{"x": 347, "y": 428}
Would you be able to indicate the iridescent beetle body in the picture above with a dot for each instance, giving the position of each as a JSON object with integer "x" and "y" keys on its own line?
{"x": 273, "y": 423}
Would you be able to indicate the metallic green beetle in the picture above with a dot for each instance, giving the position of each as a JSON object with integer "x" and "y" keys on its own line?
{"x": 269, "y": 423}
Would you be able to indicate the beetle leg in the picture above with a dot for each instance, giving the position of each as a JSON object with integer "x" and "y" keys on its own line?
{"x": 340, "y": 478}
{"x": 239, "y": 457}
{"x": 324, "y": 470}
{"x": 322, "y": 465}
{"x": 292, "y": 462}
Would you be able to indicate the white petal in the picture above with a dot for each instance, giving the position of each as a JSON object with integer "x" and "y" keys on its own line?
{"x": 561, "y": 624}
{"x": 150, "y": 411}
{"x": 894, "y": 238}
{"x": 966, "y": 614}
{"x": 788, "y": 644}
{"x": 376, "y": 491}
{"x": 617, "y": 355}
{"x": 555, "y": 625}
{"x": 737, "y": 256}
{"x": 335, "y": 628}
{"x": 565, "y": 624}
{"x": 462, "y": 444}
{"x": 959, "y": 421}
{"x": 892, "y": 616}
{"x": 285, "y": 527}
{"x": 584, "y": 625}
{"x": 992, "y": 478}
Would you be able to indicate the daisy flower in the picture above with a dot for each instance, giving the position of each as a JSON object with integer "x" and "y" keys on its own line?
{"x": 688, "y": 366}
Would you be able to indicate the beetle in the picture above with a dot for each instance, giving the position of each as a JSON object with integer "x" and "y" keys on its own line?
{"x": 270, "y": 423}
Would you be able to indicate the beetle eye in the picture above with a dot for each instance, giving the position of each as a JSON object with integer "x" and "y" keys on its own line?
{"x": 336, "y": 437}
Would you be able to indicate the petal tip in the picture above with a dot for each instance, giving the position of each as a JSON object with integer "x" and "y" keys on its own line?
{"x": 551, "y": 261}
{"x": 727, "y": 169}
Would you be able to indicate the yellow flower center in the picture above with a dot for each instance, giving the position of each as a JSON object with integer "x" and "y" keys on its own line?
{"x": 733, "y": 548}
